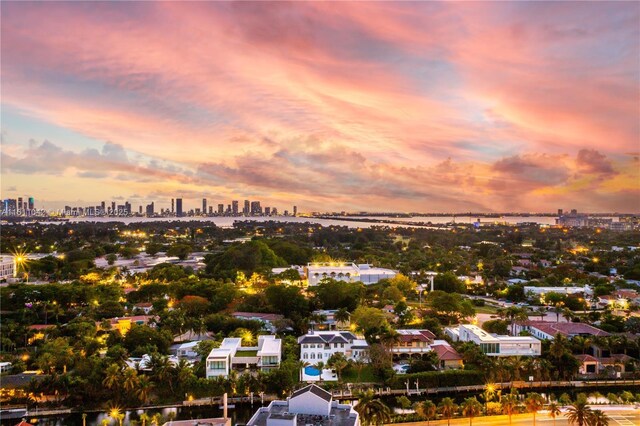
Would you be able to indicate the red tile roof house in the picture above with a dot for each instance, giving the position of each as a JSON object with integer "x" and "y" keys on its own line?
{"x": 546, "y": 330}
{"x": 448, "y": 356}
{"x": 616, "y": 363}
{"x": 412, "y": 342}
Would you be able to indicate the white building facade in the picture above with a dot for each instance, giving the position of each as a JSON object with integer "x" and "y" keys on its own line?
{"x": 493, "y": 344}
{"x": 348, "y": 272}
{"x": 265, "y": 356}
{"x": 317, "y": 346}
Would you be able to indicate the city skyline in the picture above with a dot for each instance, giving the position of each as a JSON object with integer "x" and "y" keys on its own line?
{"x": 423, "y": 107}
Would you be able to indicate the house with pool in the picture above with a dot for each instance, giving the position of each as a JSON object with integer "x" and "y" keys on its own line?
{"x": 318, "y": 346}
{"x": 232, "y": 355}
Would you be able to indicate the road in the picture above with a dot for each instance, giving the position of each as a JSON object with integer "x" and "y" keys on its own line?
{"x": 618, "y": 415}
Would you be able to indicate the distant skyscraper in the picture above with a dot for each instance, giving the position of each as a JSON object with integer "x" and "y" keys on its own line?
{"x": 295, "y": 210}
{"x": 210, "y": 210}
{"x": 220, "y": 209}
{"x": 19, "y": 206}
{"x": 247, "y": 206}
{"x": 113, "y": 207}
{"x": 267, "y": 211}
{"x": 103, "y": 207}
{"x": 172, "y": 205}
{"x": 179, "y": 207}
{"x": 256, "y": 208}
{"x": 234, "y": 207}
{"x": 150, "y": 209}
{"x": 204, "y": 206}
{"x": 127, "y": 207}
{"x": 559, "y": 212}
{"x": 32, "y": 203}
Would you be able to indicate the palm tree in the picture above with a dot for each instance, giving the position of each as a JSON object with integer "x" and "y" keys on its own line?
{"x": 359, "y": 364}
{"x": 534, "y": 402}
{"x": 145, "y": 387}
{"x": 448, "y": 408}
{"x": 130, "y": 379}
{"x": 471, "y": 408}
{"x": 156, "y": 419}
{"x": 341, "y": 316}
{"x": 598, "y": 418}
{"x": 554, "y": 411}
{"x": 516, "y": 365}
{"x": 339, "y": 363}
{"x": 509, "y": 404}
{"x": 372, "y": 410}
{"x": 320, "y": 367}
{"x": 144, "y": 418}
{"x": 559, "y": 346}
{"x": 112, "y": 377}
{"x": 426, "y": 409}
{"x": 579, "y": 413}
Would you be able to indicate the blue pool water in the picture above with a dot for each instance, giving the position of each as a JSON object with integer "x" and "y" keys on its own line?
{"x": 311, "y": 371}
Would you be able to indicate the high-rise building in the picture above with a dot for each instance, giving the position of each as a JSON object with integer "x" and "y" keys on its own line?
{"x": 220, "y": 209}
{"x": 267, "y": 211}
{"x": 204, "y": 206}
{"x": 127, "y": 207}
{"x": 179, "y": 207}
{"x": 274, "y": 211}
{"x": 11, "y": 208}
{"x": 234, "y": 207}
{"x": 32, "y": 203}
{"x": 19, "y": 206}
{"x": 103, "y": 208}
{"x": 151, "y": 209}
{"x": 172, "y": 205}
{"x": 247, "y": 206}
{"x": 295, "y": 210}
{"x": 560, "y": 212}
{"x": 113, "y": 207}
{"x": 211, "y": 210}
{"x": 256, "y": 209}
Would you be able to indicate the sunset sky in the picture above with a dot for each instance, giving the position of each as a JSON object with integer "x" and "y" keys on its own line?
{"x": 430, "y": 107}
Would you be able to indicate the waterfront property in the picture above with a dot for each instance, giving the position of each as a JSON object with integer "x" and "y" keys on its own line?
{"x": 493, "y": 344}
{"x": 448, "y": 357}
{"x": 318, "y": 346}
{"x": 310, "y": 405}
{"x": 231, "y": 354}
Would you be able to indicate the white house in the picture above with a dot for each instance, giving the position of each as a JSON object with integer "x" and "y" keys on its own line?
{"x": 541, "y": 291}
{"x": 547, "y": 330}
{"x": 493, "y": 344}
{"x": 349, "y": 272}
{"x": 318, "y": 346}
{"x": 266, "y": 355}
{"x": 310, "y": 405}
{"x": 7, "y": 267}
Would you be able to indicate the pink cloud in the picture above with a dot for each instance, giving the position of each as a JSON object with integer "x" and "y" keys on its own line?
{"x": 287, "y": 98}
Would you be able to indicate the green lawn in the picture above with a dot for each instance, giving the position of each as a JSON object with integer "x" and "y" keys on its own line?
{"x": 246, "y": 353}
{"x": 366, "y": 375}
{"x": 486, "y": 309}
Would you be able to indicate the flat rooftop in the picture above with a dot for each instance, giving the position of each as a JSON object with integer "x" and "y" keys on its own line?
{"x": 337, "y": 416}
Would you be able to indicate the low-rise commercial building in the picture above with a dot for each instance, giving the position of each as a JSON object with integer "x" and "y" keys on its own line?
{"x": 493, "y": 344}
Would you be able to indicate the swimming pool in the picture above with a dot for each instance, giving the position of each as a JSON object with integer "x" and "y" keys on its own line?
{"x": 311, "y": 371}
